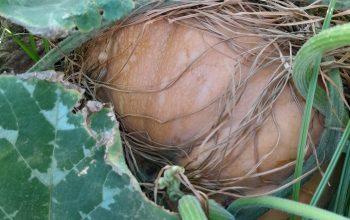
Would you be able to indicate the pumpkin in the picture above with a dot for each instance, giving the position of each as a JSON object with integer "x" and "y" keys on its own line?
{"x": 222, "y": 105}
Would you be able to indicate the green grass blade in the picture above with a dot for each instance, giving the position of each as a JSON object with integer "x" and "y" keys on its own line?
{"x": 333, "y": 120}
{"x": 331, "y": 166}
{"x": 285, "y": 205}
{"x": 343, "y": 188}
{"x": 63, "y": 48}
{"x": 304, "y": 130}
{"x": 27, "y": 49}
{"x": 307, "y": 112}
{"x": 33, "y": 46}
{"x": 328, "y": 18}
{"x": 46, "y": 45}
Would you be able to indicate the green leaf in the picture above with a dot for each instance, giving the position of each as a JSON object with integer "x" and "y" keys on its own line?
{"x": 53, "y": 19}
{"x": 56, "y": 164}
{"x": 285, "y": 205}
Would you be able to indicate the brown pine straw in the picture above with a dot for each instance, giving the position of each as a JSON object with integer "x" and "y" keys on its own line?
{"x": 285, "y": 26}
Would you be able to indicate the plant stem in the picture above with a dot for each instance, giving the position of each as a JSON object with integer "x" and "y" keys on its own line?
{"x": 307, "y": 112}
{"x": 285, "y": 205}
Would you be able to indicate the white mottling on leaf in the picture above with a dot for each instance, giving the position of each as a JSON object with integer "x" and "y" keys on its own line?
{"x": 83, "y": 171}
{"x": 57, "y": 174}
{"x": 75, "y": 169}
{"x": 87, "y": 152}
{"x": 28, "y": 86}
{"x": 53, "y": 176}
{"x": 9, "y": 215}
{"x": 13, "y": 214}
{"x": 107, "y": 197}
{"x": 54, "y": 200}
{"x": 84, "y": 216}
{"x": 58, "y": 116}
{"x": 10, "y": 135}
{"x": 42, "y": 177}
{"x": 50, "y": 116}
{"x": 62, "y": 123}
{"x": 111, "y": 116}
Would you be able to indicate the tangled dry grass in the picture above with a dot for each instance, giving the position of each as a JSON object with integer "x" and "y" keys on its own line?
{"x": 284, "y": 25}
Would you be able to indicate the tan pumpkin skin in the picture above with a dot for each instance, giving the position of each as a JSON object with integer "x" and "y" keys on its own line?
{"x": 153, "y": 65}
{"x": 172, "y": 84}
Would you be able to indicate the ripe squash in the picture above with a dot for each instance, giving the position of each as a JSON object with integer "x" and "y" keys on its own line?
{"x": 224, "y": 101}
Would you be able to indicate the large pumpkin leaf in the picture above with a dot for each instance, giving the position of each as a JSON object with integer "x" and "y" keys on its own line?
{"x": 56, "y": 18}
{"x": 56, "y": 164}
